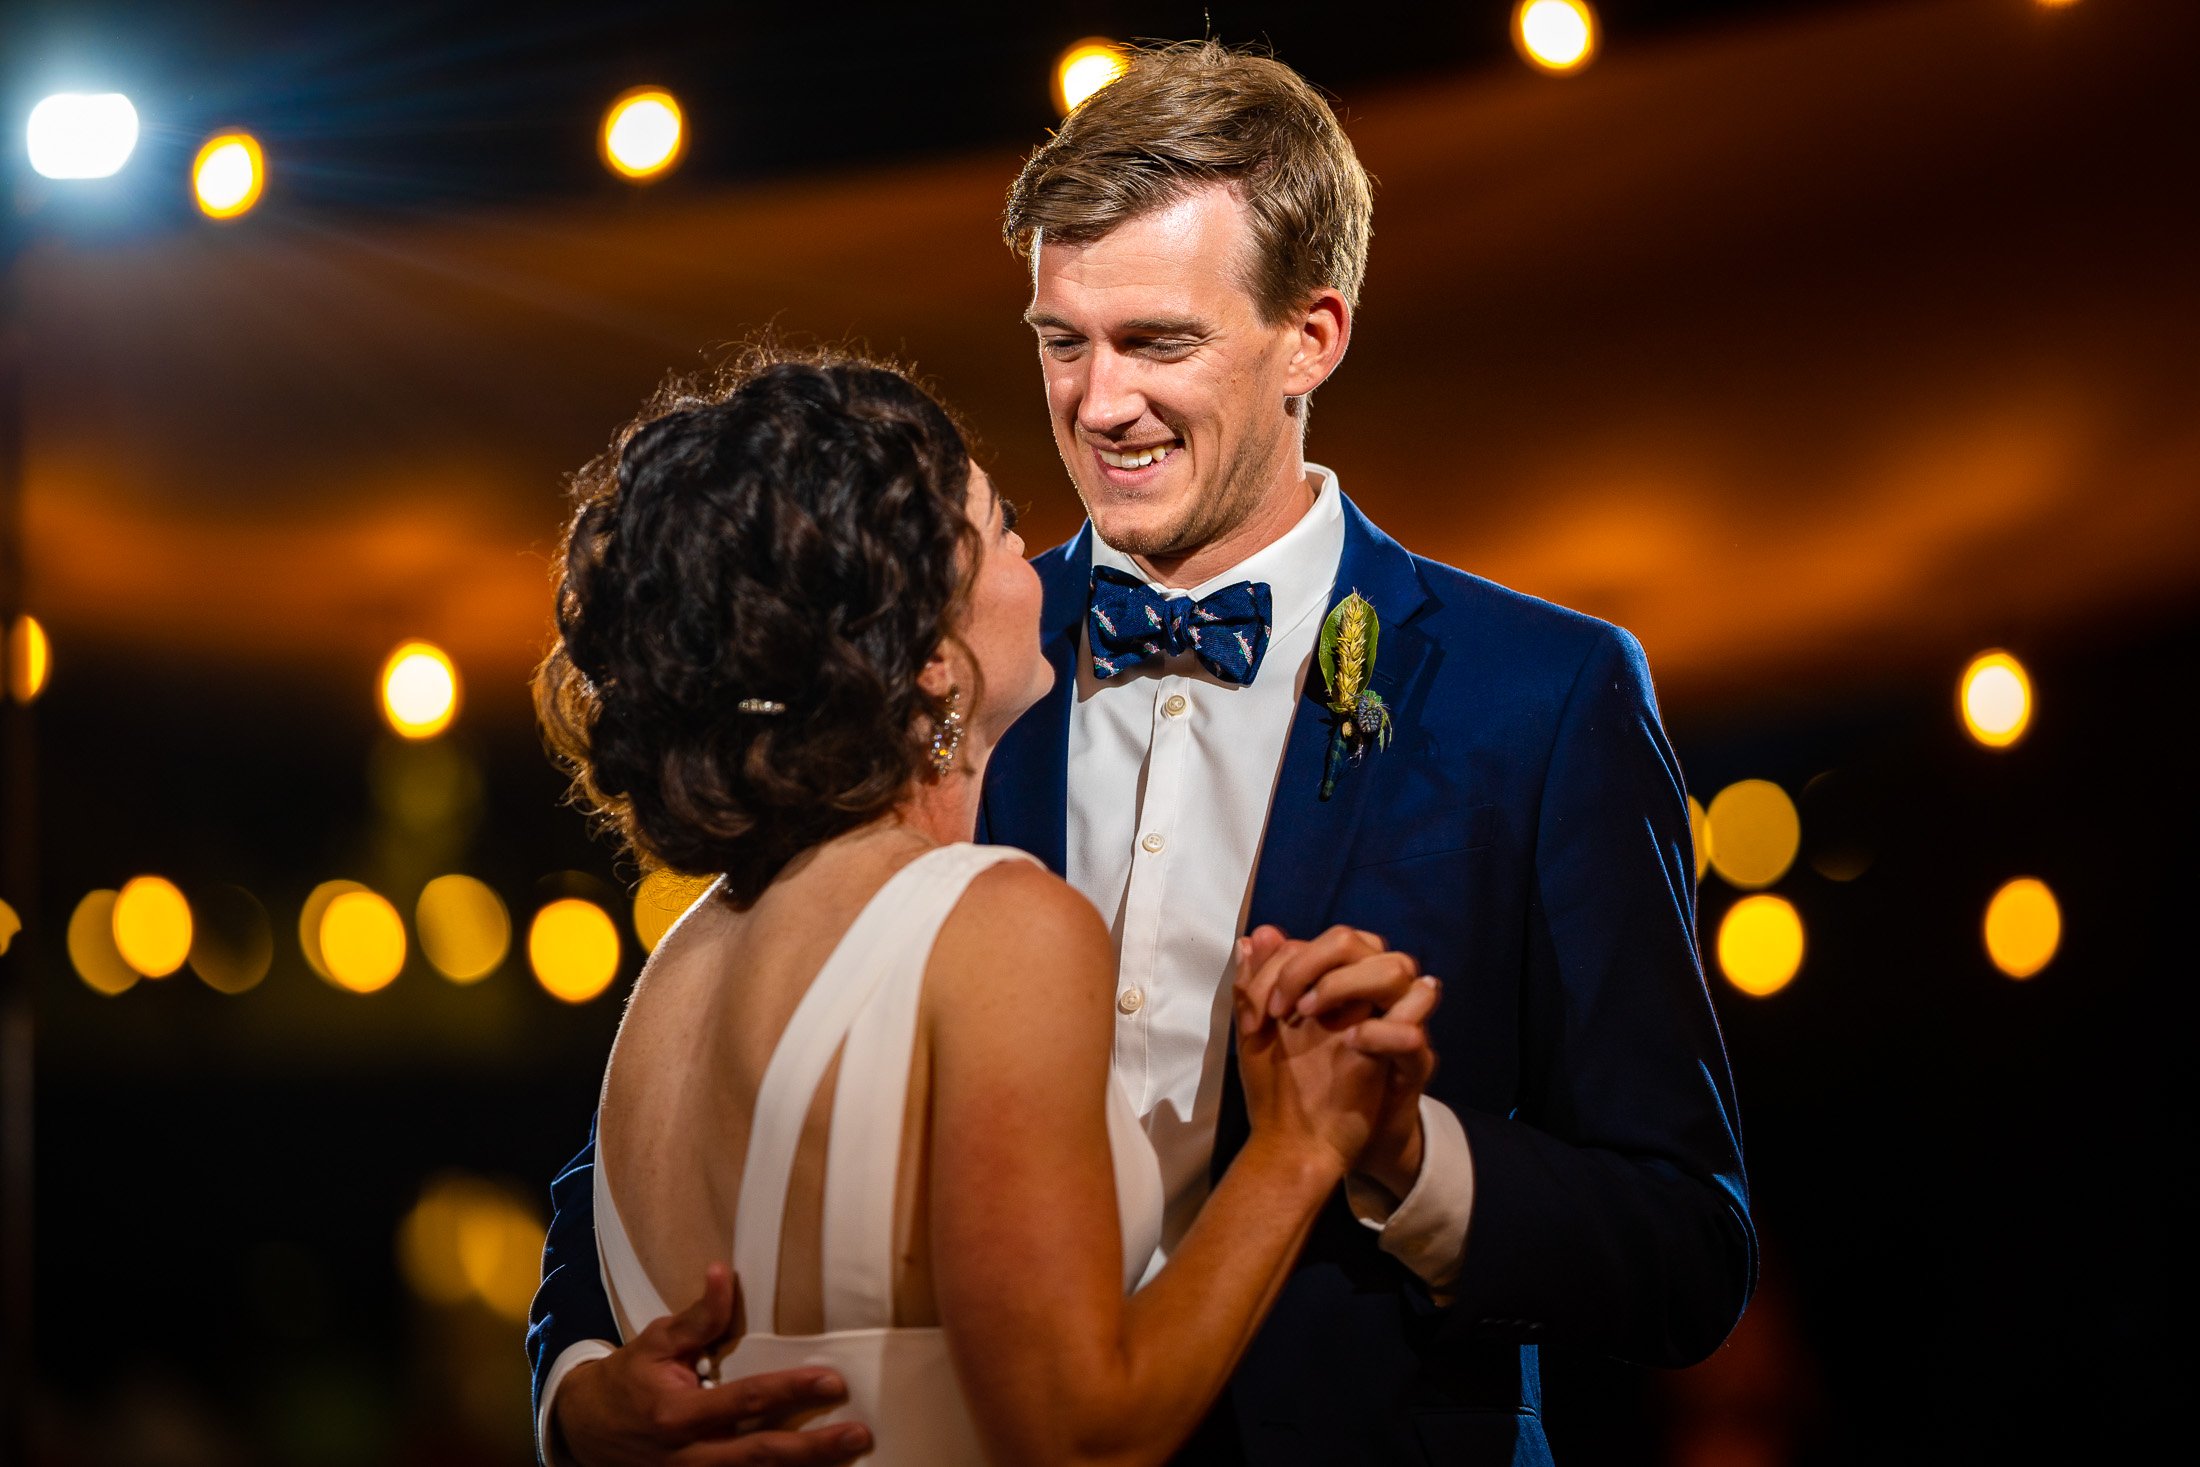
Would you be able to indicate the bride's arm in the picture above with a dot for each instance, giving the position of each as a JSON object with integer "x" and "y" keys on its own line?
{"x": 1058, "y": 1365}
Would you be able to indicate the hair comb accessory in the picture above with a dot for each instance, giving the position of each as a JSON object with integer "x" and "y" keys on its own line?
{"x": 760, "y": 705}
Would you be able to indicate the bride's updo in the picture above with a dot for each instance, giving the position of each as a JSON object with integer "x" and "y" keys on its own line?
{"x": 790, "y": 536}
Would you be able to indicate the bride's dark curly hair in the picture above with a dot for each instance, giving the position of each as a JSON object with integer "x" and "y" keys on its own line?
{"x": 794, "y": 530}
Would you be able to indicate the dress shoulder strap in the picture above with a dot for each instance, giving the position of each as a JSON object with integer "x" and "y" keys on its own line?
{"x": 865, "y": 994}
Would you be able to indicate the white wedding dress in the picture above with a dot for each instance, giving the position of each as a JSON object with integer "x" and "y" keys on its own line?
{"x": 900, "y": 1381}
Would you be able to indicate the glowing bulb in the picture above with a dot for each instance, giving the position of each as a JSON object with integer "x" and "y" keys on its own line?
{"x": 2023, "y": 927}
{"x": 30, "y": 659}
{"x": 1996, "y": 699}
{"x": 643, "y": 133}
{"x": 574, "y": 949}
{"x": 152, "y": 925}
{"x": 1084, "y": 69}
{"x": 1559, "y": 36}
{"x": 464, "y": 928}
{"x": 228, "y": 175}
{"x": 362, "y": 941}
{"x": 92, "y": 946}
{"x": 663, "y": 899}
{"x": 419, "y": 690}
{"x": 1761, "y": 944}
{"x": 1755, "y": 833}
{"x": 78, "y": 136}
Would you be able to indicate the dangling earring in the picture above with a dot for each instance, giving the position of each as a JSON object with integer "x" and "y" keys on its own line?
{"x": 947, "y": 735}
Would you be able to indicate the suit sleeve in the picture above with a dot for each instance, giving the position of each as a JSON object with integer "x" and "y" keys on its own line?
{"x": 1610, "y": 1209}
{"x": 571, "y": 1307}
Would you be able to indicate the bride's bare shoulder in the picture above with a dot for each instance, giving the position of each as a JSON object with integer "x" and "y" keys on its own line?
{"x": 1018, "y": 917}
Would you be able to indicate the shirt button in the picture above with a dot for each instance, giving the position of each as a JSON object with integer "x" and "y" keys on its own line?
{"x": 1130, "y": 1000}
{"x": 1153, "y": 842}
{"x": 1176, "y": 705}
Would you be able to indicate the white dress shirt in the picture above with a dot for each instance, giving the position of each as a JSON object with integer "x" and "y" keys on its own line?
{"x": 1171, "y": 775}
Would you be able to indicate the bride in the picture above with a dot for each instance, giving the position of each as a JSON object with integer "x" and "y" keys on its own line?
{"x": 871, "y": 1064}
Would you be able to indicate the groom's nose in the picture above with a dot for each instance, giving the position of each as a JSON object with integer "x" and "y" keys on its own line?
{"x": 1113, "y": 398}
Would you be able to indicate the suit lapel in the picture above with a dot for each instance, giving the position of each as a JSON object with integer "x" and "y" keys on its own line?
{"x": 1026, "y": 802}
{"x": 1309, "y": 839}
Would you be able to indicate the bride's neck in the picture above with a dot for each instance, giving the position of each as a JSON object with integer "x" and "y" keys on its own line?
{"x": 945, "y": 810}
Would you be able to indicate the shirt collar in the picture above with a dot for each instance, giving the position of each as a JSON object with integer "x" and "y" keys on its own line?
{"x": 1300, "y": 565}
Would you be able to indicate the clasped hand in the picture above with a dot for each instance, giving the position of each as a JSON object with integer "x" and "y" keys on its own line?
{"x": 1333, "y": 1046}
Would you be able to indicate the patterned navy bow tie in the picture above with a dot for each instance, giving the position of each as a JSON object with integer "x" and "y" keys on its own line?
{"x": 1132, "y": 624}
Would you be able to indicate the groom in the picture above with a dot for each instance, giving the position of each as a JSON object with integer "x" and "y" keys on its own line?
{"x": 1505, "y": 808}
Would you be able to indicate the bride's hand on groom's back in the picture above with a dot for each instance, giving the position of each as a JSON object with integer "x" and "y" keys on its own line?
{"x": 1345, "y": 1073}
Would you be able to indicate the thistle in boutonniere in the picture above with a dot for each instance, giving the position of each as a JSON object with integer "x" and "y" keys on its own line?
{"x": 1347, "y": 656}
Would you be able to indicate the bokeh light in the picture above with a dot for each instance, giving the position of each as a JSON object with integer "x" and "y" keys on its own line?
{"x": 228, "y": 174}
{"x": 1083, "y": 69}
{"x": 309, "y": 920}
{"x": 464, "y": 929}
{"x": 92, "y": 945}
{"x": 10, "y": 924}
{"x": 1699, "y": 835}
{"x": 78, "y": 135}
{"x": 2023, "y": 927}
{"x": 643, "y": 133}
{"x": 1761, "y": 944}
{"x": 232, "y": 941}
{"x": 419, "y": 690}
{"x": 1755, "y": 833}
{"x": 1557, "y": 36}
{"x": 661, "y": 900}
{"x": 470, "y": 1240}
{"x": 574, "y": 949}
{"x": 152, "y": 925}
{"x": 362, "y": 941}
{"x": 1996, "y": 699}
{"x": 30, "y": 659}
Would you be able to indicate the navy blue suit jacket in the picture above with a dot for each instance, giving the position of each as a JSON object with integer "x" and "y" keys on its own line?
{"x": 1525, "y": 836}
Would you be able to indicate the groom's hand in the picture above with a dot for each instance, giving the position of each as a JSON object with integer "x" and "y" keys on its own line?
{"x": 1348, "y": 977}
{"x": 643, "y": 1406}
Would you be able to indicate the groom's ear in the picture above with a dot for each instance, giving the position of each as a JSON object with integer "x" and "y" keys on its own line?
{"x": 1324, "y": 331}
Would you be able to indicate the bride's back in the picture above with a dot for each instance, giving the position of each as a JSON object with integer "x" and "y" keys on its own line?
{"x": 681, "y": 1089}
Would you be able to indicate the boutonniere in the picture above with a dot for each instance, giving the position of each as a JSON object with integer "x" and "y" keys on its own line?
{"x": 1348, "y": 659}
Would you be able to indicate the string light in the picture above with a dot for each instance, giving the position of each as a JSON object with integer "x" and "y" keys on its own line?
{"x": 1085, "y": 68}
{"x": 643, "y": 134}
{"x": 1557, "y": 36}
{"x": 419, "y": 690}
{"x": 228, "y": 175}
{"x": 362, "y": 941}
{"x": 91, "y": 940}
{"x": 1761, "y": 944}
{"x": 1995, "y": 699}
{"x": 2023, "y": 927}
{"x": 574, "y": 949}
{"x": 74, "y": 135}
{"x": 464, "y": 929}
{"x": 664, "y": 896}
{"x": 1755, "y": 833}
{"x": 152, "y": 925}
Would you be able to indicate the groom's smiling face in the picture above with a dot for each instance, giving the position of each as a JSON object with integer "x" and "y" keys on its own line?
{"x": 1167, "y": 390}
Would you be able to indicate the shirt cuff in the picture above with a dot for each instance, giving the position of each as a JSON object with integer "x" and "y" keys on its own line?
{"x": 1427, "y": 1229}
{"x": 578, "y": 1353}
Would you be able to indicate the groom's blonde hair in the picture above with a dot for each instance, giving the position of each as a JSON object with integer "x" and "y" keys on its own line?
{"x": 1200, "y": 112}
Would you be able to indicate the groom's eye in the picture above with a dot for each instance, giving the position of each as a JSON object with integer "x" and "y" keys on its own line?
{"x": 1060, "y": 347}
